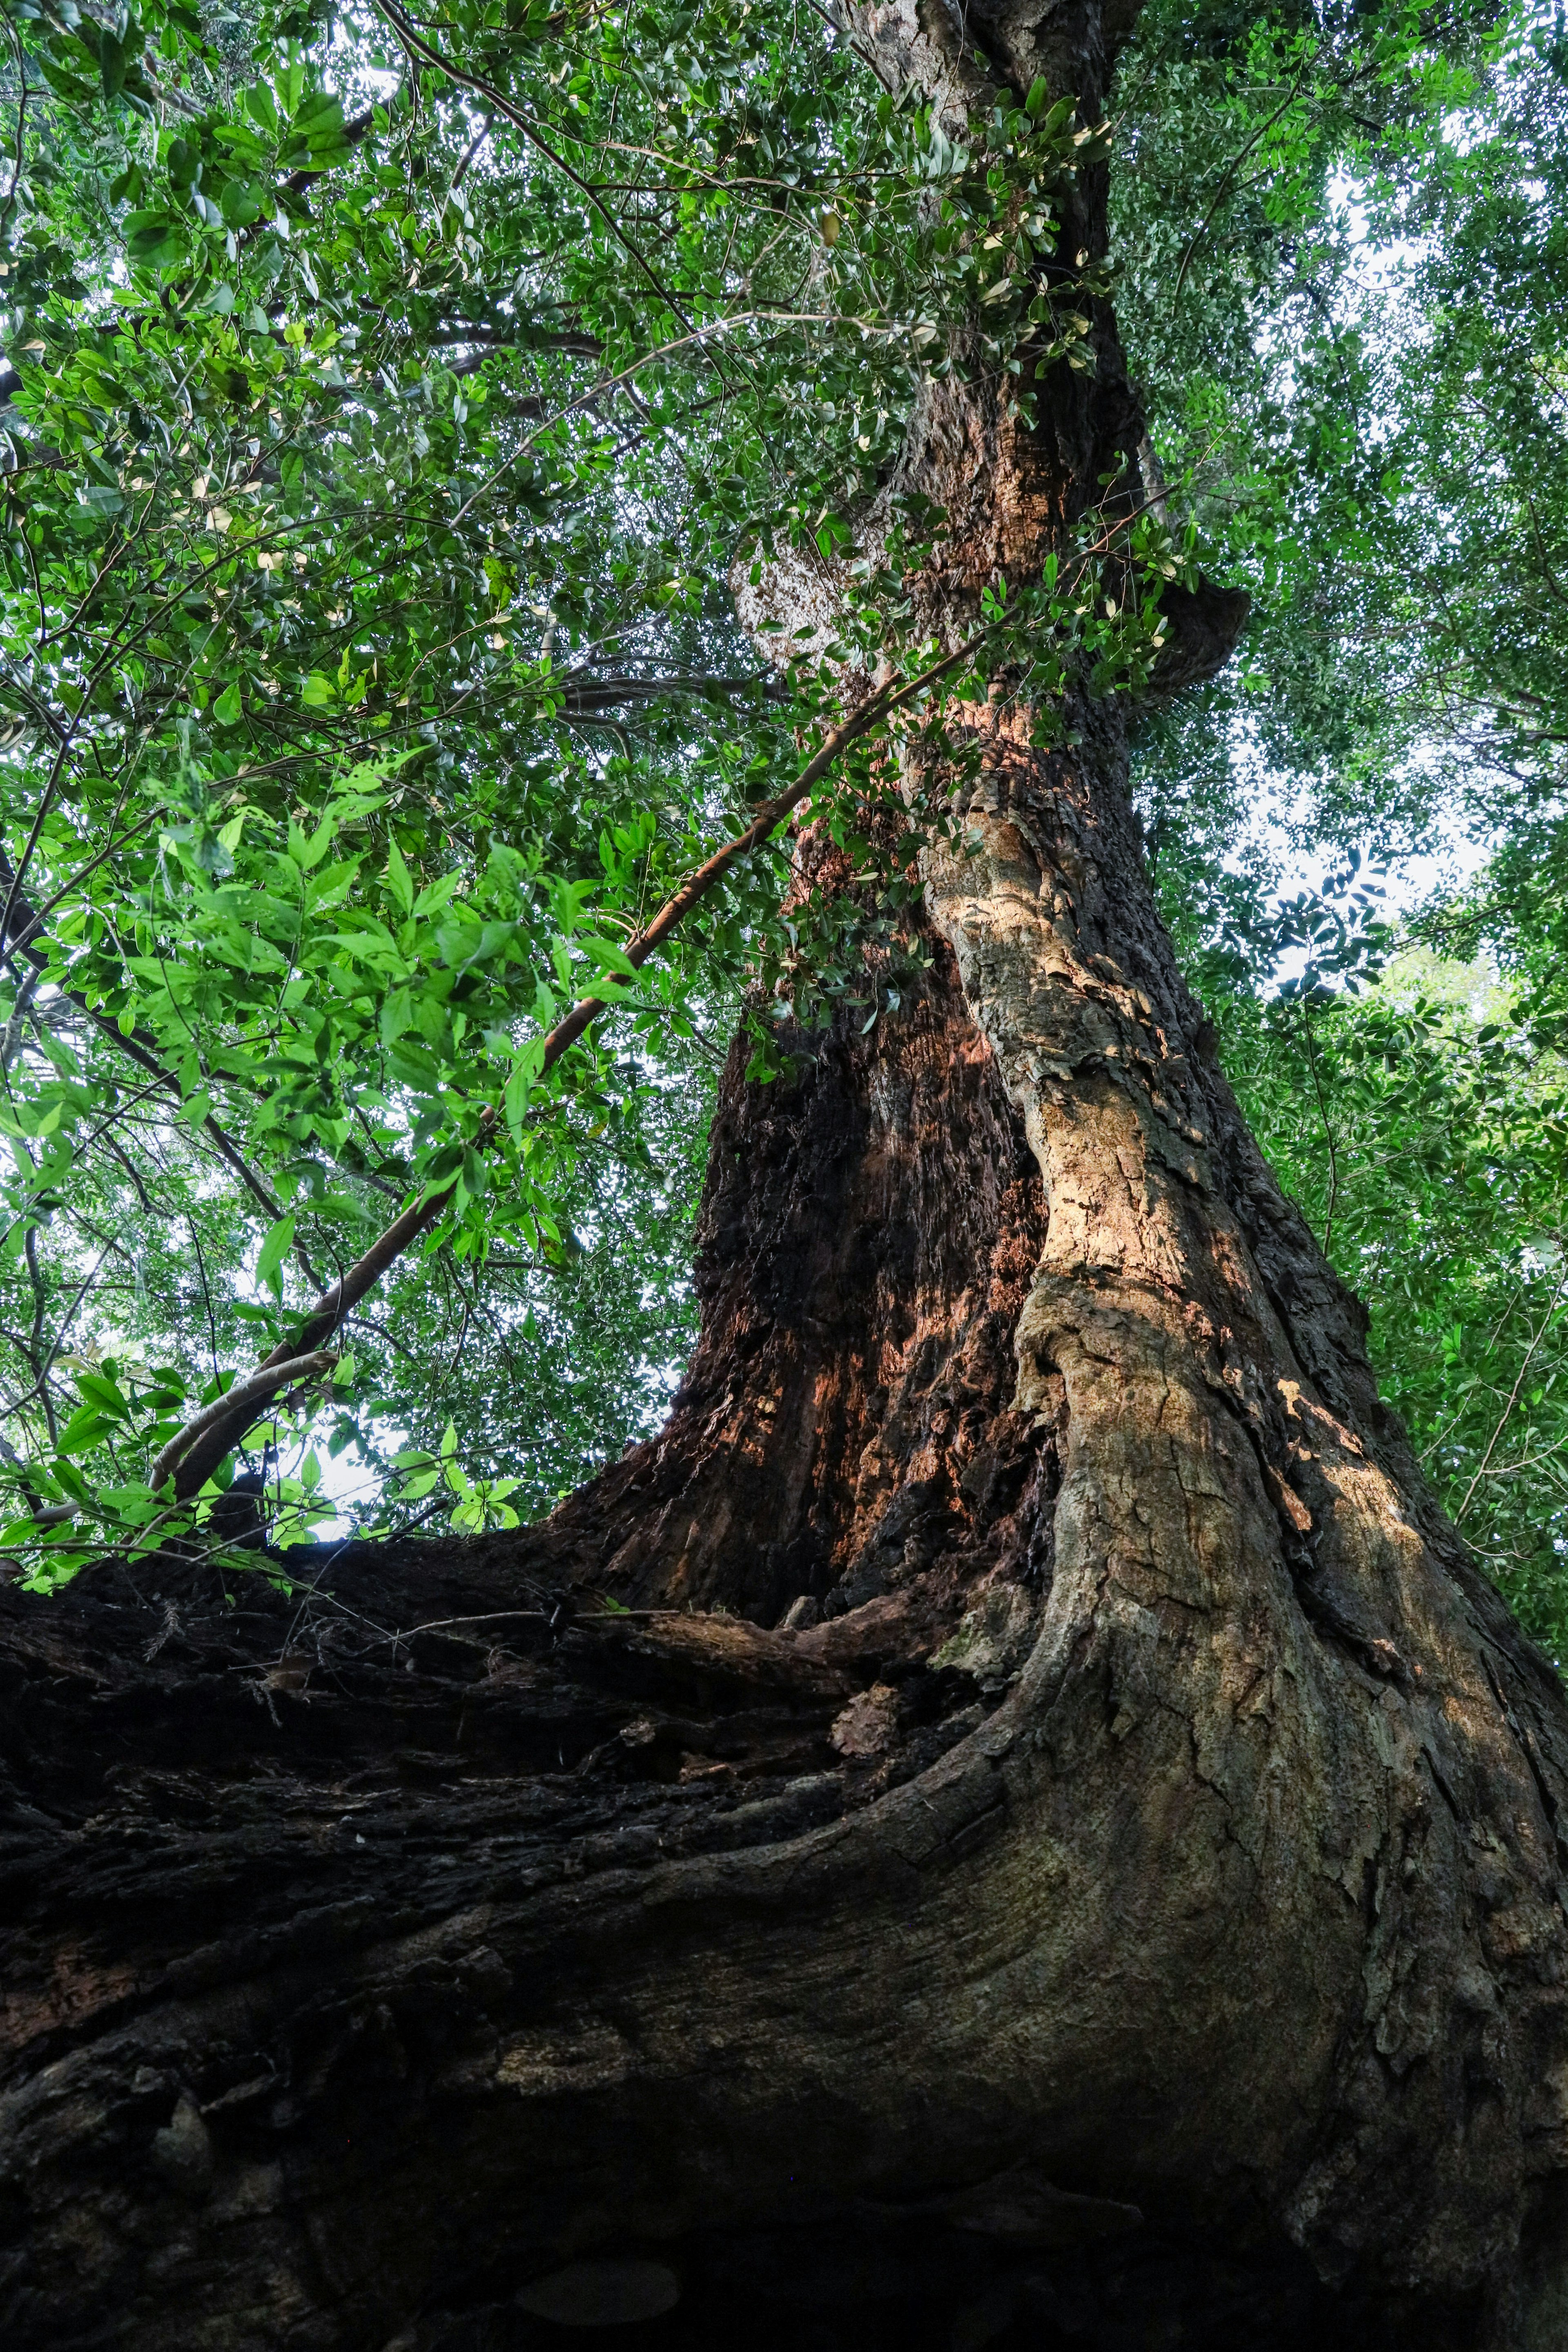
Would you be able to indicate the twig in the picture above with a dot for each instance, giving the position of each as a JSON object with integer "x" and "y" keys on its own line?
{"x": 206, "y": 1294}
{"x": 83, "y": 1287}
{"x": 1513, "y": 1393}
{"x": 1233, "y": 165}
{"x": 1328, "y": 1132}
{"x": 469, "y": 151}
{"x": 22, "y": 95}
{"x": 540, "y": 1616}
{"x": 415, "y": 42}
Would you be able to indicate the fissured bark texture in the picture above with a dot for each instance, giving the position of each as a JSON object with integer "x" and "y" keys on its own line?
{"x": 1052, "y": 1845}
{"x": 865, "y": 1248}
{"x": 1131, "y": 1905}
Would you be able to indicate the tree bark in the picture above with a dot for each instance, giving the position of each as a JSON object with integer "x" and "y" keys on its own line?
{"x": 1054, "y": 1842}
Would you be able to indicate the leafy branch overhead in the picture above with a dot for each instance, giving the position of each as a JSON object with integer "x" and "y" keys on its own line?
{"x": 368, "y": 532}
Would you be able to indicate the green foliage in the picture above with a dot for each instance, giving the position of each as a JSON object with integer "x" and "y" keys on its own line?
{"x": 392, "y": 403}
{"x": 1423, "y": 1130}
{"x": 389, "y": 408}
{"x": 1362, "y": 373}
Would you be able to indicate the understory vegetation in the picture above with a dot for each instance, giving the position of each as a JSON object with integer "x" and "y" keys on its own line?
{"x": 394, "y": 406}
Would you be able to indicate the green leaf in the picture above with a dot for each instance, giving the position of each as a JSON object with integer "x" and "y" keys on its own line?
{"x": 396, "y": 1015}
{"x": 398, "y": 877}
{"x": 112, "y": 62}
{"x": 83, "y": 1430}
{"x": 310, "y": 852}
{"x": 606, "y": 955}
{"x": 106, "y": 1395}
{"x": 153, "y": 236}
{"x": 240, "y": 204}
{"x": 275, "y": 1248}
{"x": 435, "y": 894}
{"x": 519, "y": 1083}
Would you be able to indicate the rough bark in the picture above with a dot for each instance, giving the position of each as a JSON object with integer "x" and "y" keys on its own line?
{"x": 1159, "y": 1813}
{"x": 1062, "y": 1848}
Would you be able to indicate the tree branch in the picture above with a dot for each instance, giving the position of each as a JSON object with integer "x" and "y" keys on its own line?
{"x": 245, "y": 1394}
{"x": 24, "y": 941}
{"x": 199, "y": 1459}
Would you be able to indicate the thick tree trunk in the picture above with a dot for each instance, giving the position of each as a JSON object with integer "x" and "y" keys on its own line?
{"x": 1062, "y": 1848}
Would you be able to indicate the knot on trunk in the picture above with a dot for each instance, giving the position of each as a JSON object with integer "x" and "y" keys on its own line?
{"x": 1203, "y": 629}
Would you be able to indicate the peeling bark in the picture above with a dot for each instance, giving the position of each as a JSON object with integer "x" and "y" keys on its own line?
{"x": 1058, "y": 1845}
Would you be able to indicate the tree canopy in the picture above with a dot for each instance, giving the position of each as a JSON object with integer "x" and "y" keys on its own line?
{"x": 395, "y": 407}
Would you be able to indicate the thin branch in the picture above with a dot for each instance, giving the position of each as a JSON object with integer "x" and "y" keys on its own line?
{"x": 1552, "y": 579}
{"x": 1513, "y": 1393}
{"x": 1225, "y": 177}
{"x": 21, "y": 129}
{"x": 137, "y": 1048}
{"x": 41, "y": 1385}
{"x": 83, "y": 1287}
{"x": 207, "y": 1449}
{"x": 206, "y": 1294}
{"x": 431, "y": 55}
{"x": 469, "y": 151}
{"x": 537, "y": 1616}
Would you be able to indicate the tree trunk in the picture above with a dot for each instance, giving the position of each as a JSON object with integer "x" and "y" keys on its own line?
{"x": 1062, "y": 1848}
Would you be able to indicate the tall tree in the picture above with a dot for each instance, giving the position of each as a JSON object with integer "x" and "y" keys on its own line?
{"x": 1013, "y": 1816}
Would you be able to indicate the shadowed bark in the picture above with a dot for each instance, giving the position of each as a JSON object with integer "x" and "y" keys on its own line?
{"x": 1061, "y": 1848}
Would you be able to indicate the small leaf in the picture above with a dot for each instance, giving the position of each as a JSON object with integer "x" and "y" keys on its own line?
{"x": 606, "y": 955}
{"x": 83, "y": 1430}
{"x": 398, "y": 877}
{"x": 239, "y": 204}
{"x": 112, "y": 62}
{"x": 319, "y": 841}
{"x": 105, "y": 1395}
{"x": 396, "y": 1015}
{"x": 274, "y": 1250}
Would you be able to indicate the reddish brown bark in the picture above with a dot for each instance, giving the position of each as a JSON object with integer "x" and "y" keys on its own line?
{"x": 1212, "y": 1877}
{"x": 1073, "y": 1855}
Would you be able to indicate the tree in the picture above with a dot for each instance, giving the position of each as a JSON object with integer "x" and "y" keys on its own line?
{"x": 1013, "y": 1816}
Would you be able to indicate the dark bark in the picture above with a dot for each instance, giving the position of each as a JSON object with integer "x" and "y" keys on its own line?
{"x": 1071, "y": 1854}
